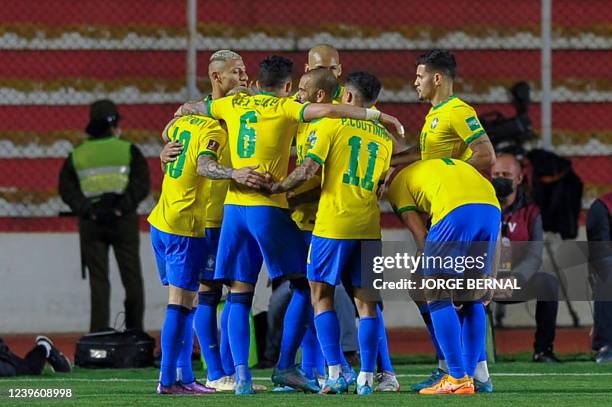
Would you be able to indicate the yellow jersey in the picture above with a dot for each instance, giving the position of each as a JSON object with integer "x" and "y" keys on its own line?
{"x": 216, "y": 190}
{"x": 304, "y": 214}
{"x": 355, "y": 155}
{"x": 449, "y": 127}
{"x": 438, "y": 186}
{"x": 181, "y": 209}
{"x": 260, "y": 131}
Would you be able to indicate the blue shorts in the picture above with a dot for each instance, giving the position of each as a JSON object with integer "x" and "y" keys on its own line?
{"x": 467, "y": 232}
{"x": 333, "y": 261}
{"x": 212, "y": 242}
{"x": 180, "y": 259}
{"x": 253, "y": 234}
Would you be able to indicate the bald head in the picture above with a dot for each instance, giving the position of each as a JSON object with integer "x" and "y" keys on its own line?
{"x": 324, "y": 56}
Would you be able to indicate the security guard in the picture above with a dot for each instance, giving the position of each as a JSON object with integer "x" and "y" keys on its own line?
{"x": 103, "y": 180}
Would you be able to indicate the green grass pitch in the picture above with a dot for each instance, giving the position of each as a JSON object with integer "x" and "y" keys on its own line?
{"x": 516, "y": 384}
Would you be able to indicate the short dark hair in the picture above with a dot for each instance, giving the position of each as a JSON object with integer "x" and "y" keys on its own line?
{"x": 440, "y": 60}
{"x": 324, "y": 79}
{"x": 274, "y": 71}
{"x": 366, "y": 84}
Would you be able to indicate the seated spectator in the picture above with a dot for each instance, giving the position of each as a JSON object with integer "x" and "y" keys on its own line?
{"x": 522, "y": 222}
{"x": 599, "y": 235}
{"x": 34, "y": 362}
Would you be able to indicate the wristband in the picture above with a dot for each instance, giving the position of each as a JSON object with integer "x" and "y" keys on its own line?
{"x": 372, "y": 114}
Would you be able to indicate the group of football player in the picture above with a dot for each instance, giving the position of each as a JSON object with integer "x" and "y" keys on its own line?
{"x": 229, "y": 204}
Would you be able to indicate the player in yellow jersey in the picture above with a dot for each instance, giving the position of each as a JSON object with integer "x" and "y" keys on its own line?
{"x": 318, "y": 85}
{"x": 177, "y": 235}
{"x": 452, "y": 128}
{"x": 256, "y": 226}
{"x": 227, "y": 72}
{"x": 355, "y": 156}
{"x": 465, "y": 222}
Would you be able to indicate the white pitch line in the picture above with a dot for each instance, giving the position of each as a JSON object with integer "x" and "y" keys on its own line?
{"x": 500, "y": 374}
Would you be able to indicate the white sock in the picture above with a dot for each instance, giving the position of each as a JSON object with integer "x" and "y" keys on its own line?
{"x": 443, "y": 365}
{"x": 482, "y": 371}
{"x": 46, "y": 345}
{"x": 365, "y": 377}
{"x": 334, "y": 371}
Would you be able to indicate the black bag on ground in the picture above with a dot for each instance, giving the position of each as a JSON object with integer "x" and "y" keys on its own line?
{"x": 115, "y": 349}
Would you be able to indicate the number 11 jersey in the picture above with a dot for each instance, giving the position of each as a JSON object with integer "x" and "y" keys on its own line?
{"x": 260, "y": 130}
{"x": 355, "y": 155}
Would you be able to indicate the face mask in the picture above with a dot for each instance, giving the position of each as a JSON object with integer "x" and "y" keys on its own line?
{"x": 503, "y": 187}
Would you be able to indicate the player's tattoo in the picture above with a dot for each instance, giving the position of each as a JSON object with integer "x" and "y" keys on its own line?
{"x": 299, "y": 175}
{"x": 483, "y": 156}
{"x": 194, "y": 107}
{"x": 209, "y": 168}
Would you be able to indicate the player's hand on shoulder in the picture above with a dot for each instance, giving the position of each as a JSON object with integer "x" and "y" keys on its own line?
{"x": 170, "y": 152}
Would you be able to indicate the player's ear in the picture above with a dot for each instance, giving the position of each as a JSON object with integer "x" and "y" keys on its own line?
{"x": 339, "y": 70}
{"x": 320, "y": 95}
{"x": 306, "y": 68}
{"x": 215, "y": 77}
{"x": 437, "y": 79}
{"x": 257, "y": 85}
{"x": 288, "y": 87}
{"x": 348, "y": 96}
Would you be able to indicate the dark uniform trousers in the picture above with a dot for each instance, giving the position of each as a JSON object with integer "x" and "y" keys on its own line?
{"x": 122, "y": 235}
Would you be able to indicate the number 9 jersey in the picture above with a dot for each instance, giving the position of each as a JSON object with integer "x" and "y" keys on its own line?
{"x": 260, "y": 130}
{"x": 355, "y": 155}
{"x": 181, "y": 209}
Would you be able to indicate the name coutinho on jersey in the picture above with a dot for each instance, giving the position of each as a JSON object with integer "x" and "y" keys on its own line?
{"x": 367, "y": 126}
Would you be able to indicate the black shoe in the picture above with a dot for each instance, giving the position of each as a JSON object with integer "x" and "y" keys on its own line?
{"x": 545, "y": 357}
{"x": 58, "y": 361}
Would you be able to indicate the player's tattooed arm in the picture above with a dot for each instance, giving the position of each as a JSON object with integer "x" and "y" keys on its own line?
{"x": 483, "y": 153}
{"x": 297, "y": 177}
{"x": 210, "y": 168}
{"x": 408, "y": 156}
{"x": 199, "y": 107}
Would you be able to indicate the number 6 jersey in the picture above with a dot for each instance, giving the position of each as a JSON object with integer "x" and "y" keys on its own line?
{"x": 181, "y": 209}
{"x": 355, "y": 155}
{"x": 260, "y": 130}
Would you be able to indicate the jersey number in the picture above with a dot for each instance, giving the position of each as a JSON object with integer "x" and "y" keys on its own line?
{"x": 351, "y": 176}
{"x": 247, "y": 135}
{"x": 175, "y": 168}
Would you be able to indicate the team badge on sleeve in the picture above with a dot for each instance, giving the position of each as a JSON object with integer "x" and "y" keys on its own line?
{"x": 312, "y": 139}
{"x": 472, "y": 123}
